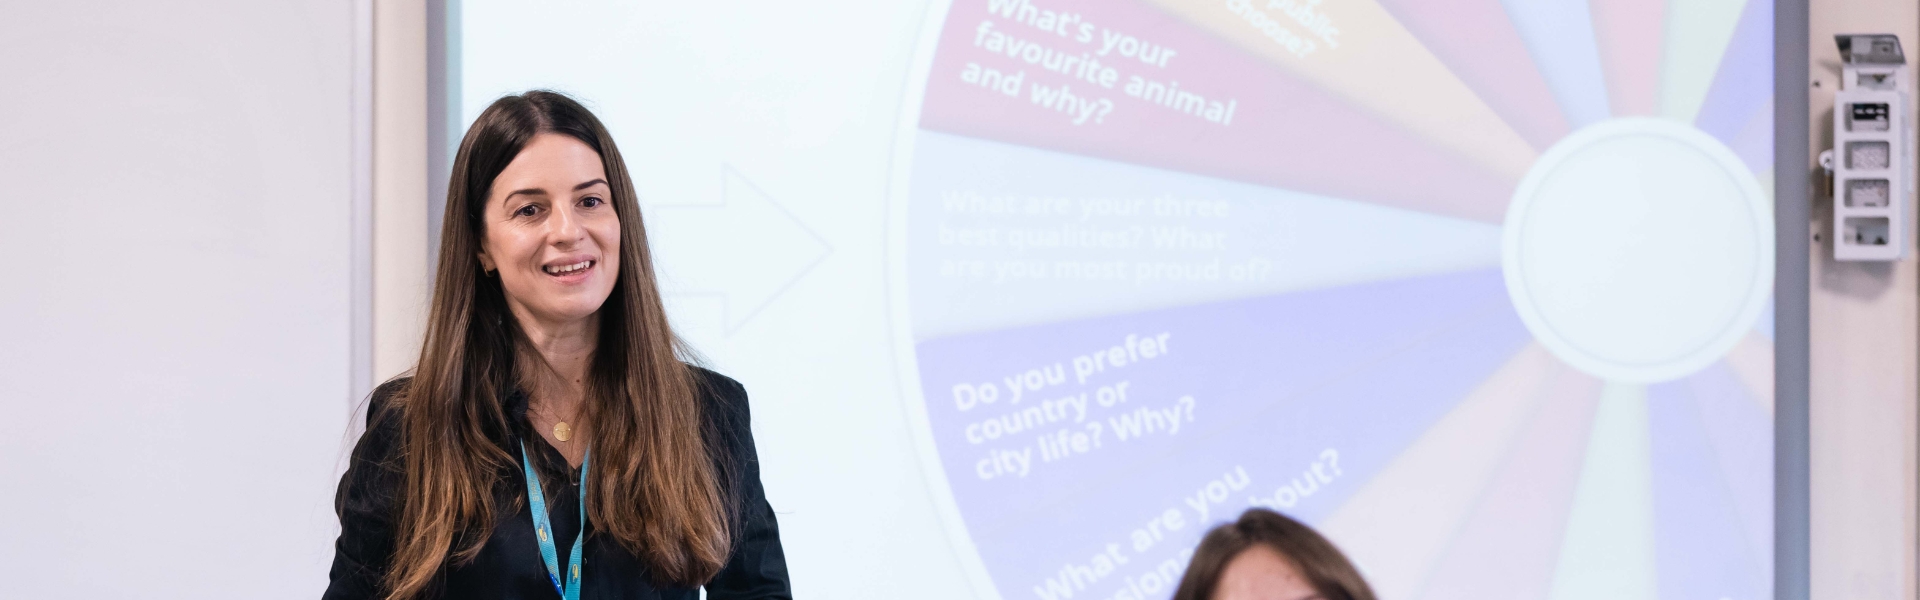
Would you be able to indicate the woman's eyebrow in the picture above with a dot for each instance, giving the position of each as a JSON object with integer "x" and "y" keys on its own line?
{"x": 528, "y": 191}
{"x": 541, "y": 192}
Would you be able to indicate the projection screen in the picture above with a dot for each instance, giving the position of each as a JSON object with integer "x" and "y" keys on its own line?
{"x": 1482, "y": 290}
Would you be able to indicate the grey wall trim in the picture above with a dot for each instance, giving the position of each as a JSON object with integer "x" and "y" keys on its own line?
{"x": 360, "y": 238}
{"x": 1793, "y": 190}
{"x": 444, "y": 126}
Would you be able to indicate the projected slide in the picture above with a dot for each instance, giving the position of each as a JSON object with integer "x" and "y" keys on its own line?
{"x": 1480, "y": 289}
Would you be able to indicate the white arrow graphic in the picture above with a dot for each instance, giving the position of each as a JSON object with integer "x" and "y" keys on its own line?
{"x": 744, "y": 251}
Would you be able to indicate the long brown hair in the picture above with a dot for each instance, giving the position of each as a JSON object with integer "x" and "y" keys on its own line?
{"x": 1317, "y": 559}
{"x": 654, "y": 485}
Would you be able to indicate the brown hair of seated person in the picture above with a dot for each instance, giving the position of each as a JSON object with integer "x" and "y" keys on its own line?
{"x": 1315, "y": 559}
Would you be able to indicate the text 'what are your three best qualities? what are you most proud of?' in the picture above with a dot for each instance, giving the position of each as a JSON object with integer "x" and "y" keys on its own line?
{"x": 1092, "y": 60}
{"x": 1064, "y": 425}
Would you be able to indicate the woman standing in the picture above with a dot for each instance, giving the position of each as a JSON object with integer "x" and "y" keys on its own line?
{"x": 551, "y": 442}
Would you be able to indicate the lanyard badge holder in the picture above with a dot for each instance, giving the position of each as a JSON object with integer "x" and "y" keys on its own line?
{"x": 543, "y": 527}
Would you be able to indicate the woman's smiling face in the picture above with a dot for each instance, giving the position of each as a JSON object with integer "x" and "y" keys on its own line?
{"x": 552, "y": 235}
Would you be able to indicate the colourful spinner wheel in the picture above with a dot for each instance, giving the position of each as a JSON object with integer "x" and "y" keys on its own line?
{"x": 1479, "y": 289}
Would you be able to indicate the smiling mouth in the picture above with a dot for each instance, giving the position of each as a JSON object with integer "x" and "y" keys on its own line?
{"x": 565, "y": 270}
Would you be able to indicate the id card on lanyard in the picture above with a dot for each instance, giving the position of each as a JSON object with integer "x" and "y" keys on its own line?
{"x": 543, "y": 527}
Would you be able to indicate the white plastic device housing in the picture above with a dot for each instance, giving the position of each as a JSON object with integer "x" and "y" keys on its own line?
{"x": 1863, "y": 232}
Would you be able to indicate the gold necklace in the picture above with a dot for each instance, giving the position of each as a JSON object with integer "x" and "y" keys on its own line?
{"x": 561, "y": 431}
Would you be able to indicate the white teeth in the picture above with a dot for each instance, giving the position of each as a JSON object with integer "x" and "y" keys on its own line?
{"x": 564, "y": 269}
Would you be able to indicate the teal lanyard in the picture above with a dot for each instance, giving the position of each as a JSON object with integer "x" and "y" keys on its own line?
{"x": 543, "y": 529}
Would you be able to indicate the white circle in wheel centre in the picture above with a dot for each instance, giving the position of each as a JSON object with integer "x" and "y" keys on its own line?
{"x": 1639, "y": 250}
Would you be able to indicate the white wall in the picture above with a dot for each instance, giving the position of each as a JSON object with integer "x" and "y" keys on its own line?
{"x": 174, "y": 309}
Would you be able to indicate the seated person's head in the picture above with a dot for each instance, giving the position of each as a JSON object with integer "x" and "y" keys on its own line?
{"x": 1267, "y": 556}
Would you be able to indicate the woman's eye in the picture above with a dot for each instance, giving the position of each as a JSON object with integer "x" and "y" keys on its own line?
{"x": 591, "y": 202}
{"x": 525, "y": 211}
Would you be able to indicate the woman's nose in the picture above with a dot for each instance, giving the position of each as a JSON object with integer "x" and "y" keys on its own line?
{"x": 566, "y": 227}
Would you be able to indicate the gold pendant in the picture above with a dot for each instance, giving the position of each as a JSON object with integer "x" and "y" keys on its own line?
{"x": 562, "y": 432}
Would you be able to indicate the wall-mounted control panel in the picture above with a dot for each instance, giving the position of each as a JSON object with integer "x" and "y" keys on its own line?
{"x": 1872, "y": 158}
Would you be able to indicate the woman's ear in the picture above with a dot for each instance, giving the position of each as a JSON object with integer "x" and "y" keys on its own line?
{"x": 486, "y": 263}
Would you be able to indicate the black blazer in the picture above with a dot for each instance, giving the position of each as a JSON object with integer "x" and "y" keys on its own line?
{"x": 509, "y": 566}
